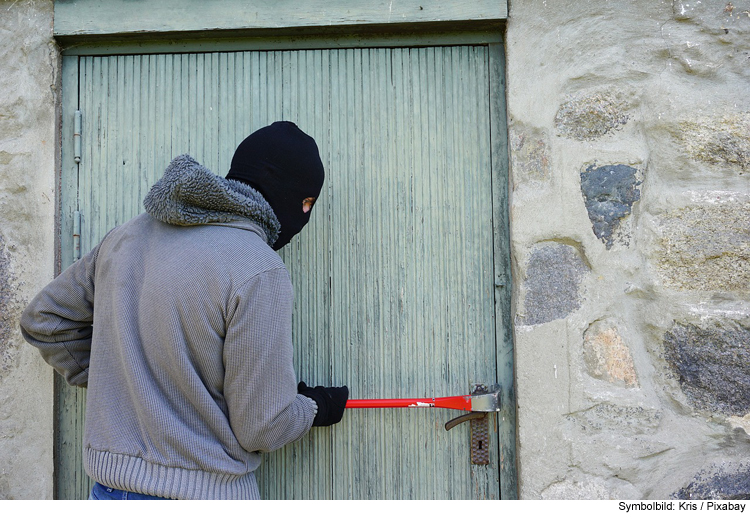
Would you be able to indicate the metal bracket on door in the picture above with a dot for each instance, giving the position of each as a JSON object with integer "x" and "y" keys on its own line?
{"x": 480, "y": 433}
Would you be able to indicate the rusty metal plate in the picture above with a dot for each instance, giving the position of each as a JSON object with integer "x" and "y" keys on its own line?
{"x": 480, "y": 441}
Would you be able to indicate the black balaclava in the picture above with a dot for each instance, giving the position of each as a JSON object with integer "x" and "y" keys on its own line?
{"x": 283, "y": 164}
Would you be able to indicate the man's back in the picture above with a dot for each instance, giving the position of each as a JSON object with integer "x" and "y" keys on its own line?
{"x": 190, "y": 369}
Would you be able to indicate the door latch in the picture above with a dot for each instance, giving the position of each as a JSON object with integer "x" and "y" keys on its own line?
{"x": 480, "y": 403}
{"x": 480, "y": 430}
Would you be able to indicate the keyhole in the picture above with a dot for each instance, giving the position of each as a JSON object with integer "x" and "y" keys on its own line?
{"x": 480, "y": 445}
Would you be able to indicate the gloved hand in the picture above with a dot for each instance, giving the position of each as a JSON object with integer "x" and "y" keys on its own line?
{"x": 331, "y": 402}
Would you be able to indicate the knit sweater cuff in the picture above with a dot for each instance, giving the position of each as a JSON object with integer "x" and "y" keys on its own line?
{"x": 314, "y": 404}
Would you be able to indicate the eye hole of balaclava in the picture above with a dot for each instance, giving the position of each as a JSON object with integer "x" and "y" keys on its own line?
{"x": 283, "y": 164}
{"x": 308, "y": 203}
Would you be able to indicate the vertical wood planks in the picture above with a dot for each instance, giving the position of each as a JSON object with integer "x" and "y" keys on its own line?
{"x": 394, "y": 276}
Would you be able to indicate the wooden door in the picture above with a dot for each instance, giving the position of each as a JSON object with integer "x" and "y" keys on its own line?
{"x": 401, "y": 278}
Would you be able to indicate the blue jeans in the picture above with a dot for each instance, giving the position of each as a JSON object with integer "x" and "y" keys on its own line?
{"x": 99, "y": 492}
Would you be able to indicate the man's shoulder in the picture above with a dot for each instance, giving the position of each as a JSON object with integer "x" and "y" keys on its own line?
{"x": 245, "y": 251}
{"x": 240, "y": 250}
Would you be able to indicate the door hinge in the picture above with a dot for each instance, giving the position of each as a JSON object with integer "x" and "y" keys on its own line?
{"x": 77, "y": 136}
{"x": 76, "y": 235}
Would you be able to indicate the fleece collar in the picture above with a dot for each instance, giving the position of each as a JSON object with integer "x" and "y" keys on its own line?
{"x": 189, "y": 194}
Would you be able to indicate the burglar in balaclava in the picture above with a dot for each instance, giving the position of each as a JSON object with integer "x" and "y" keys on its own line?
{"x": 283, "y": 164}
{"x": 179, "y": 324}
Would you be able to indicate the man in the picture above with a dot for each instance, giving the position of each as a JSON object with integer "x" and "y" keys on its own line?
{"x": 179, "y": 324}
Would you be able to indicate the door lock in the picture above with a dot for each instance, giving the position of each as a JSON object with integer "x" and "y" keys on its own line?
{"x": 480, "y": 431}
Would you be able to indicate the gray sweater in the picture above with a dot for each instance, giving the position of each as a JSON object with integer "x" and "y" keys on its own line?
{"x": 179, "y": 323}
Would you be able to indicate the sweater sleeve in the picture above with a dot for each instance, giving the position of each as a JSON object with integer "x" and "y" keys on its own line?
{"x": 265, "y": 411}
{"x": 58, "y": 321}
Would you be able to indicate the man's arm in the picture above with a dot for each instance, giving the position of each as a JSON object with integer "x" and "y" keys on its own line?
{"x": 260, "y": 387}
{"x": 58, "y": 320}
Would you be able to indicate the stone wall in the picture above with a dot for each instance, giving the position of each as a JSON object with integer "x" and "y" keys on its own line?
{"x": 630, "y": 214}
{"x": 29, "y": 97}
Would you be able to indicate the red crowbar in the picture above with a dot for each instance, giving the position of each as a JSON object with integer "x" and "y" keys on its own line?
{"x": 488, "y": 401}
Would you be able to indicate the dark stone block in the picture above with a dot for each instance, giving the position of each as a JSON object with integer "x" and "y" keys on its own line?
{"x": 609, "y": 192}
{"x": 718, "y": 484}
{"x": 712, "y": 365}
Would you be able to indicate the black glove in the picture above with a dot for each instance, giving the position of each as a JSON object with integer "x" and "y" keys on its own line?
{"x": 331, "y": 402}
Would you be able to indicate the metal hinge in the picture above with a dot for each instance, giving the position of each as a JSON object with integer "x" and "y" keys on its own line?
{"x": 76, "y": 235}
{"x": 77, "y": 127}
{"x": 77, "y": 136}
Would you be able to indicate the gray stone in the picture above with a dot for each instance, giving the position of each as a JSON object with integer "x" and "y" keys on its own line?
{"x": 709, "y": 39}
{"x": 727, "y": 482}
{"x": 712, "y": 365}
{"x": 714, "y": 18}
{"x": 29, "y": 119}
{"x": 706, "y": 247}
{"x": 531, "y": 159}
{"x": 722, "y": 140}
{"x": 553, "y": 278}
{"x": 626, "y": 421}
{"x": 8, "y": 315}
{"x": 579, "y": 485}
{"x": 590, "y": 116}
{"x": 590, "y": 488}
{"x": 609, "y": 192}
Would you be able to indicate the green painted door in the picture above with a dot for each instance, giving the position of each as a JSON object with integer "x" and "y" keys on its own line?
{"x": 401, "y": 278}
